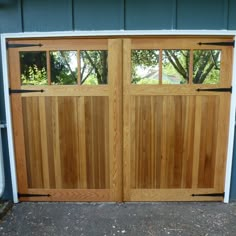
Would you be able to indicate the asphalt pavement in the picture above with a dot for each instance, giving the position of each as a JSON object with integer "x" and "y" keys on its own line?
{"x": 107, "y": 219}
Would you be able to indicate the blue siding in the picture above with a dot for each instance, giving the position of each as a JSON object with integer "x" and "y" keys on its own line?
{"x": 202, "y": 14}
{"x": 232, "y": 19}
{"x": 8, "y": 187}
{"x": 65, "y": 15}
{"x": 150, "y": 14}
{"x": 10, "y": 15}
{"x": 233, "y": 178}
{"x": 98, "y": 15}
{"x": 47, "y": 15}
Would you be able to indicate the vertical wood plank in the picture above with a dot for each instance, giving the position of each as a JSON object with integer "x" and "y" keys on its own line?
{"x": 222, "y": 140}
{"x": 163, "y": 180}
{"x": 127, "y": 119}
{"x": 67, "y": 137}
{"x": 56, "y": 142}
{"x": 82, "y": 161}
{"x": 115, "y": 118}
{"x": 44, "y": 142}
{"x": 18, "y": 132}
{"x": 50, "y": 139}
{"x": 207, "y": 156}
{"x": 197, "y": 140}
{"x": 33, "y": 145}
{"x": 188, "y": 143}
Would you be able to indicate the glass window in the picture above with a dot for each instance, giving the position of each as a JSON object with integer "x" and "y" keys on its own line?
{"x": 145, "y": 66}
{"x": 64, "y": 67}
{"x": 33, "y": 67}
{"x": 93, "y": 67}
{"x": 206, "y": 66}
{"x": 175, "y": 66}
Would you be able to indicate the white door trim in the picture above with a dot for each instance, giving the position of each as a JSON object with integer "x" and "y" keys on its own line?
{"x": 4, "y": 38}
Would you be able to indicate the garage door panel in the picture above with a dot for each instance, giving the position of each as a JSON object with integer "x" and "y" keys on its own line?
{"x": 67, "y": 136}
{"x": 176, "y": 114}
{"x": 55, "y": 153}
{"x": 163, "y": 141}
{"x": 133, "y": 119}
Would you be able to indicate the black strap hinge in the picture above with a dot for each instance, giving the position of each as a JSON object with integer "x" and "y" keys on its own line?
{"x": 219, "y": 90}
{"x": 230, "y": 44}
{"x": 209, "y": 195}
{"x": 21, "y": 45}
{"x": 25, "y": 91}
{"x": 33, "y": 195}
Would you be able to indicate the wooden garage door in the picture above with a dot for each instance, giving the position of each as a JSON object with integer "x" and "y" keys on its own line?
{"x": 176, "y": 116}
{"x": 65, "y": 97}
{"x": 80, "y": 135}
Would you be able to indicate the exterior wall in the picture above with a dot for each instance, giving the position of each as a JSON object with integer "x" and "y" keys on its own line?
{"x": 68, "y": 15}
{"x": 233, "y": 180}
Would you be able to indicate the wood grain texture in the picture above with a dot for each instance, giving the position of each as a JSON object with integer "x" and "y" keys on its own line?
{"x": 17, "y": 122}
{"x": 175, "y": 138}
{"x": 162, "y": 143}
{"x": 68, "y": 139}
{"x": 116, "y": 117}
{"x": 59, "y": 195}
{"x": 55, "y": 44}
{"x": 177, "y": 42}
{"x": 174, "y": 194}
{"x": 77, "y": 143}
{"x": 74, "y": 159}
{"x": 163, "y": 139}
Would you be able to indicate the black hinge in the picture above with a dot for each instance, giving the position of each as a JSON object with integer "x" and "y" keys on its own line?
{"x": 231, "y": 44}
{"x": 25, "y": 91}
{"x": 21, "y": 45}
{"x": 209, "y": 195}
{"x": 220, "y": 90}
{"x": 33, "y": 195}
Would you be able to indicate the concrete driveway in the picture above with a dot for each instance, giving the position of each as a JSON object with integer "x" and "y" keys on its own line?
{"x": 120, "y": 219}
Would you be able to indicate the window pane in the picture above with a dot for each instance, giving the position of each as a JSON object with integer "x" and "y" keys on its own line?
{"x": 33, "y": 67}
{"x": 93, "y": 67}
{"x": 175, "y": 66}
{"x": 145, "y": 66}
{"x": 206, "y": 66}
{"x": 64, "y": 67}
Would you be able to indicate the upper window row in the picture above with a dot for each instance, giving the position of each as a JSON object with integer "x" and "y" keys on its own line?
{"x": 61, "y": 67}
{"x": 175, "y": 66}
{"x": 148, "y": 67}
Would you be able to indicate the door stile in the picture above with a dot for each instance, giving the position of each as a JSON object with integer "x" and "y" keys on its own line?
{"x": 17, "y": 121}
{"x": 115, "y": 115}
{"x": 127, "y": 118}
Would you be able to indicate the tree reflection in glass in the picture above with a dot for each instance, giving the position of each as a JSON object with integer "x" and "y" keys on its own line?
{"x": 93, "y": 67}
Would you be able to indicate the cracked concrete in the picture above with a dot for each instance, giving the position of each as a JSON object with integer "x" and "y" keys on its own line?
{"x": 120, "y": 219}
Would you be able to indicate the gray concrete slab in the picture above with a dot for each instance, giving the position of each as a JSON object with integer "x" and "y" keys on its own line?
{"x": 120, "y": 219}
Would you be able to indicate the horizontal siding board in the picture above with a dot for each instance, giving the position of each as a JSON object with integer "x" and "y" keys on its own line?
{"x": 47, "y": 15}
{"x": 8, "y": 186}
{"x": 201, "y": 14}
{"x": 10, "y": 17}
{"x": 10, "y": 22}
{"x": 98, "y": 15}
{"x": 232, "y": 16}
{"x": 150, "y": 14}
{"x": 2, "y": 105}
{"x": 233, "y": 177}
